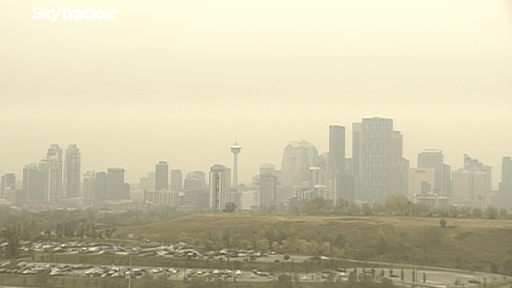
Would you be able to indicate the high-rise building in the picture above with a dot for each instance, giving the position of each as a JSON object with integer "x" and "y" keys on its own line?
{"x": 235, "y": 149}
{"x": 101, "y": 186}
{"x": 297, "y": 158}
{"x": 151, "y": 181}
{"x": 115, "y": 184}
{"x": 469, "y": 185}
{"x": 162, "y": 176}
{"x": 195, "y": 180}
{"x": 267, "y": 187}
{"x": 376, "y": 159}
{"x": 336, "y": 161}
{"x": 196, "y": 194}
{"x": 219, "y": 185}
{"x": 89, "y": 189}
{"x": 176, "y": 180}
{"x": 506, "y": 182}
{"x": 51, "y": 167}
{"x": 8, "y": 182}
{"x": 72, "y": 172}
{"x": 470, "y": 163}
{"x": 33, "y": 185}
{"x": 357, "y": 130}
{"x": 434, "y": 159}
{"x": 400, "y": 166}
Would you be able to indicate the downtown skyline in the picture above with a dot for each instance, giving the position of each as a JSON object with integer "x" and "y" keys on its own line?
{"x": 134, "y": 172}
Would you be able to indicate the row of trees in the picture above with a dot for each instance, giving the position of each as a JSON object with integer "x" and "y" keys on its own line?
{"x": 396, "y": 205}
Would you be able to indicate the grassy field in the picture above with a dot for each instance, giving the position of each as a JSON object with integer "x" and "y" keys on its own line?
{"x": 472, "y": 244}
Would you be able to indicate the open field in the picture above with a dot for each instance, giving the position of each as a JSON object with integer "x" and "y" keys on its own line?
{"x": 472, "y": 244}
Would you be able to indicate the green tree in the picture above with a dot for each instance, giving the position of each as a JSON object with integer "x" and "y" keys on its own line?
{"x": 491, "y": 212}
{"x": 366, "y": 209}
{"x": 442, "y": 222}
{"x": 230, "y": 207}
{"x": 397, "y": 204}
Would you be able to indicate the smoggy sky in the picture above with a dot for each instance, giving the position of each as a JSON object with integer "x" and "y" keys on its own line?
{"x": 181, "y": 80}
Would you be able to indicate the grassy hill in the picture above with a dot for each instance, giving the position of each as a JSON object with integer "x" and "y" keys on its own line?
{"x": 473, "y": 244}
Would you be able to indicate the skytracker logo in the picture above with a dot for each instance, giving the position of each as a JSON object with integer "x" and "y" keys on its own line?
{"x": 65, "y": 13}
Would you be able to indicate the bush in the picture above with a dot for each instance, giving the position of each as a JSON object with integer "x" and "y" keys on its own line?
{"x": 442, "y": 222}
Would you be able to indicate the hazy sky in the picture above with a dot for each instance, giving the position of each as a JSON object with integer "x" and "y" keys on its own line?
{"x": 181, "y": 80}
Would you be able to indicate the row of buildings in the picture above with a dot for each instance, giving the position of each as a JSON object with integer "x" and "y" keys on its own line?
{"x": 376, "y": 170}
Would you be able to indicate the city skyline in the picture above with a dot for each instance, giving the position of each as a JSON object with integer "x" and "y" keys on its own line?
{"x": 247, "y": 178}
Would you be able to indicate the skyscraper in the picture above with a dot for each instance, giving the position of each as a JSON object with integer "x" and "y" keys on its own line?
{"x": 506, "y": 181}
{"x": 400, "y": 166}
{"x": 376, "y": 162}
{"x": 470, "y": 163}
{"x": 267, "y": 187}
{"x": 51, "y": 168}
{"x": 219, "y": 185}
{"x": 115, "y": 184}
{"x": 176, "y": 180}
{"x": 235, "y": 149}
{"x": 100, "y": 193}
{"x": 297, "y": 158}
{"x": 162, "y": 176}
{"x": 434, "y": 159}
{"x": 72, "y": 172}
{"x": 32, "y": 186}
{"x": 89, "y": 189}
{"x": 336, "y": 162}
{"x": 8, "y": 182}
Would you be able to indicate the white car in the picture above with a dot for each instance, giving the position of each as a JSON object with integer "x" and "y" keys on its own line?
{"x": 305, "y": 278}
{"x": 238, "y": 272}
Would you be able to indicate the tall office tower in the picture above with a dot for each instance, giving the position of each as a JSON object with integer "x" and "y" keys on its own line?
{"x": 89, "y": 189}
{"x": 376, "y": 159}
{"x": 176, "y": 180}
{"x": 297, "y": 158}
{"x": 400, "y": 166}
{"x": 195, "y": 180}
{"x": 196, "y": 194}
{"x": 357, "y": 130}
{"x": 506, "y": 171}
{"x": 235, "y": 149}
{"x": 469, "y": 185}
{"x": 218, "y": 187}
{"x": 143, "y": 183}
{"x": 421, "y": 181}
{"x": 470, "y": 163}
{"x": 506, "y": 182}
{"x": 100, "y": 193}
{"x": 72, "y": 172}
{"x": 336, "y": 160}
{"x": 162, "y": 176}
{"x": 8, "y": 182}
{"x": 52, "y": 167}
{"x": 126, "y": 190}
{"x": 31, "y": 183}
{"x": 115, "y": 184}
{"x": 151, "y": 181}
{"x": 267, "y": 187}
{"x": 434, "y": 159}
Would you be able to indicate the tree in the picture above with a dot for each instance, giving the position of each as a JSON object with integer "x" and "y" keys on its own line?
{"x": 397, "y": 204}
{"x": 230, "y": 207}
{"x": 366, "y": 209}
{"x": 476, "y": 213}
{"x": 491, "y": 212}
{"x": 442, "y": 222}
{"x": 12, "y": 236}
